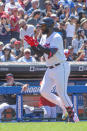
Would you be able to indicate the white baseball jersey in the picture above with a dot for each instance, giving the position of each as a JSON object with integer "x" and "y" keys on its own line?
{"x": 53, "y": 41}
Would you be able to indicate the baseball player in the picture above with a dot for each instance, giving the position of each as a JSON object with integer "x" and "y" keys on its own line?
{"x": 57, "y": 73}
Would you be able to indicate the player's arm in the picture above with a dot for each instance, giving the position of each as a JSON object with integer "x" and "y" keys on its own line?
{"x": 49, "y": 51}
{"x": 39, "y": 49}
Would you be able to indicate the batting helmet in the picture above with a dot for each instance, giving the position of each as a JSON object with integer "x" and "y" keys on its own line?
{"x": 49, "y": 22}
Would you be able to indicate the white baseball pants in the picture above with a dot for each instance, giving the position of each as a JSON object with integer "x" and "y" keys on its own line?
{"x": 58, "y": 77}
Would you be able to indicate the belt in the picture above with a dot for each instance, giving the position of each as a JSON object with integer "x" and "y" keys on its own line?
{"x": 50, "y": 67}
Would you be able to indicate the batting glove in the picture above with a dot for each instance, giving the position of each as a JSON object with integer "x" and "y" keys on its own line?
{"x": 31, "y": 41}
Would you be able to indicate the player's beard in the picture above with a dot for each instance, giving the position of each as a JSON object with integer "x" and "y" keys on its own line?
{"x": 46, "y": 31}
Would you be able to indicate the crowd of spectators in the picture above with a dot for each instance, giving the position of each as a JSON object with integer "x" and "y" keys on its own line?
{"x": 21, "y": 17}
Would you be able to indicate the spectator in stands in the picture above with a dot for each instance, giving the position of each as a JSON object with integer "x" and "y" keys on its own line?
{"x": 34, "y": 6}
{"x": 10, "y": 100}
{"x": 3, "y": 1}
{"x": 7, "y": 1}
{"x": 14, "y": 24}
{"x": 55, "y": 5}
{"x": 59, "y": 7}
{"x": 49, "y": 109}
{"x": 35, "y": 17}
{"x": 70, "y": 30}
{"x": 84, "y": 49}
{"x": 78, "y": 40}
{"x": 11, "y": 44}
{"x": 72, "y": 9}
{"x": 48, "y": 8}
{"x": 84, "y": 25}
{"x": 21, "y": 3}
{"x": 71, "y": 55}
{"x": 37, "y": 32}
{"x": 21, "y": 13}
{"x": 79, "y": 5}
{"x": 1, "y": 47}
{"x": 25, "y": 29}
{"x": 5, "y": 35}
{"x": 2, "y": 12}
{"x": 80, "y": 55}
{"x": 27, "y": 56}
{"x": 86, "y": 3}
{"x": 65, "y": 13}
{"x": 18, "y": 50}
{"x": 56, "y": 24}
{"x": 11, "y": 5}
{"x": 7, "y": 56}
{"x": 81, "y": 15}
{"x": 42, "y": 4}
{"x": 26, "y": 4}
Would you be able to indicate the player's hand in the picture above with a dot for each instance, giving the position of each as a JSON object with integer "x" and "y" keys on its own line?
{"x": 25, "y": 87}
{"x": 31, "y": 41}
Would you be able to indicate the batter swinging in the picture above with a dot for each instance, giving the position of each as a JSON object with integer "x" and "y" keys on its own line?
{"x": 51, "y": 47}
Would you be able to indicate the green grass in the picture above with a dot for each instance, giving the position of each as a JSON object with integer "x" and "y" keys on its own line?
{"x": 44, "y": 126}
